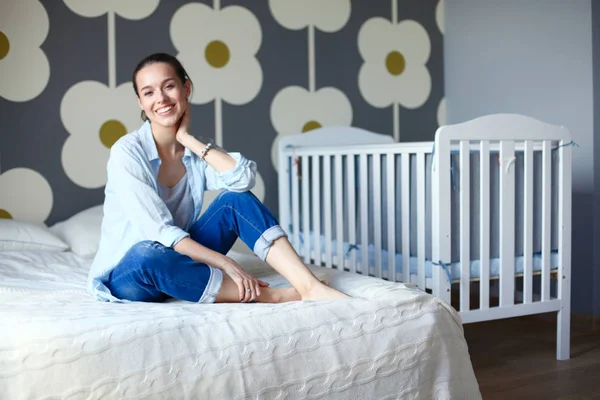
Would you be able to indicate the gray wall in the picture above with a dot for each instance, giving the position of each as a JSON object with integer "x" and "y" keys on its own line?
{"x": 535, "y": 58}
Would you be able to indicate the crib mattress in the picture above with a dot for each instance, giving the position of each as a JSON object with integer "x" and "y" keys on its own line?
{"x": 388, "y": 341}
{"x": 453, "y": 268}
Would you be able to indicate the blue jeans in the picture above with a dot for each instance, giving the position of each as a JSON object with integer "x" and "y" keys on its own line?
{"x": 152, "y": 272}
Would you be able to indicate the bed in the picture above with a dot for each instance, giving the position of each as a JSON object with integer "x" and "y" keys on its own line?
{"x": 480, "y": 217}
{"x": 390, "y": 340}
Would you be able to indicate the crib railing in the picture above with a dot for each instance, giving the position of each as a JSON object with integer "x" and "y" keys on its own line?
{"x": 358, "y": 207}
{"x": 509, "y": 137}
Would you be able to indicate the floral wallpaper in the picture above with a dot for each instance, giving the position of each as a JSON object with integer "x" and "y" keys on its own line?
{"x": 261, "y": 70}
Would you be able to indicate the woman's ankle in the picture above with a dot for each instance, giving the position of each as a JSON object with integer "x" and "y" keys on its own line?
{"x": 279, "y": 295}
{"x": 324, "y": 292}
{"x": 308, "y": 285}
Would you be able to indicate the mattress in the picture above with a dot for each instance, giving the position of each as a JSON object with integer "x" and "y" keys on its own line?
{"x": 388, "y": 341}
{"x": 455, "y": 267}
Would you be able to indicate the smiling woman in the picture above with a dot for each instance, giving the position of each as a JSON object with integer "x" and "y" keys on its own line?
{"x": 155, "y": 245}
{"x": 165, "y": 72}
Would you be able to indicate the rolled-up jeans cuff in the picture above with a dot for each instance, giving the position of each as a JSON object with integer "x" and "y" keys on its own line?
{"x": 212, "y": 287}
{"x": 264, "y": 242}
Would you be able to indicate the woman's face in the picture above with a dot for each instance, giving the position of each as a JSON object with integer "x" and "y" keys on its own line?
{"x": 161, "y": 94}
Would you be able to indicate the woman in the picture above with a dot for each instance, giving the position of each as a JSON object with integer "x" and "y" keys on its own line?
{"x": 153, "y": 245}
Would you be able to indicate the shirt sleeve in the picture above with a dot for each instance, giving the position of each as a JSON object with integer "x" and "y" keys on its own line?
{"x": 240, "y": 178}
{"x": 133, "y": 190}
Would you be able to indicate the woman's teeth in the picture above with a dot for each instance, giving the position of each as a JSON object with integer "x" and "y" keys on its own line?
{"x": 164, "y": 109}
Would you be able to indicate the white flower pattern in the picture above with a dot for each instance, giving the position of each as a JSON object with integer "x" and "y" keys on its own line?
{"x": 327, "y": 16}
{"x": 439, "y": 15}
{"x": 296, "y": 110}
{"x": 129, "y": 9}
{"x": 218, "y": 49}
{"x": 25, "y": 196}
{"x": 95, "y": 116}
{"x": 441, "y": 112}
{"x": 24, "y": 67}
{"x": 394, "y": 68}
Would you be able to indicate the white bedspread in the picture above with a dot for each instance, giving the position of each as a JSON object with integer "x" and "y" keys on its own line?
{"x": 388, "y": 342}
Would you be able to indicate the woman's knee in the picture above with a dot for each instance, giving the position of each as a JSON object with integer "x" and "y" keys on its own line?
{"x": 145, "y": 251}
{"x": 231, "y": 198}
{"x": 134, "y": 277}
{"x": 144, "y": 258}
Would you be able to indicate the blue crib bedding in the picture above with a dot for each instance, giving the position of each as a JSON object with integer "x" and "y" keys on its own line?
{"x": 453, "y": 271}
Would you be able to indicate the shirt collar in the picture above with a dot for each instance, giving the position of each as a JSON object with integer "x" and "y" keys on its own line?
{"x": 148, "y": 141}
{"x": 150, "y": 146}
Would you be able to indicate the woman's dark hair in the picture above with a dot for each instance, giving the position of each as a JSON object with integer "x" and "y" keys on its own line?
{"x": 160, "y": 58}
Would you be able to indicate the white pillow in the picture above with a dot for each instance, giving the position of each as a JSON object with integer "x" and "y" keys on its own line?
{"x": 20, "y": 236}
{"x": 81, "y": 232}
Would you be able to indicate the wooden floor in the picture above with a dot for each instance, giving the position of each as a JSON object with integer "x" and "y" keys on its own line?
{"x": 516, "y": 359}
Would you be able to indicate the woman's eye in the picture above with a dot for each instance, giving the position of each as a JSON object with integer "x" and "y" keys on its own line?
{"x": 147, "y": 93}
{"x": 169, "y": 86}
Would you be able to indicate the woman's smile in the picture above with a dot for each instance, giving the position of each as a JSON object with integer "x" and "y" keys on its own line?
{"x": 165, "y": 110}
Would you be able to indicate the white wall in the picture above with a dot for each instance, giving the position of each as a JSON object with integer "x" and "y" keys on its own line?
{"x": 532, "y": 57}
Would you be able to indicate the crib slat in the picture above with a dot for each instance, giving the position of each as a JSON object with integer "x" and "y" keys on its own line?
{"x": 295, "y": 206}
{"x": 328, "y": 216}
{"x": 465, "y": 228}
{"x": 284, "y": 193}
{"x": 421, "y": 219}
{"x": 484, "y": 221}
{"x": 339, "y": 212}
{"x": 528, "y": 224}
{"x": 351, "y": 187}
{"x": 507, "y": 223}
{"x": 316, "y": 204}
{"x": 364, "y": 217}
{"x": 377, "y": 211}
{"x": 305, "y": 209}
{"x": 546, "y": 217}
{"x": 391, "y": 215}
{"x": 441, "y": 234}
{"x": 563, "y": 330}
{"x": 405, "y": 194}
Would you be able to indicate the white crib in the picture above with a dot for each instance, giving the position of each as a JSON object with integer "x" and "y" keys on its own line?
{"x": 480, "y": 218}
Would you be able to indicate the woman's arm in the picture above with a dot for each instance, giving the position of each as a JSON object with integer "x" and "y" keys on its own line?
{"x": 217, "y": 159}
{"x": 200, "y": 253}
{"x": 227, "y": 171}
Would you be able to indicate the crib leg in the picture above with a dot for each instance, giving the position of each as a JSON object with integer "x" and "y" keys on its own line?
{"x": 563, "y": 334}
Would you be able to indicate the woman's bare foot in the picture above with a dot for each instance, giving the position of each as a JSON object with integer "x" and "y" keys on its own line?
{"x": 324, "y": 292}
{"x": 278, "y": 295}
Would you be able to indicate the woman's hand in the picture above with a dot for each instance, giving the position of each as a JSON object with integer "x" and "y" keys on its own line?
{"x": 248, "y": 286}
{"x": 183, "y": 131}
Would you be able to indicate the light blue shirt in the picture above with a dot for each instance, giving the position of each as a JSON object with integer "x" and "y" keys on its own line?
{"x": 133, "y": 210}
